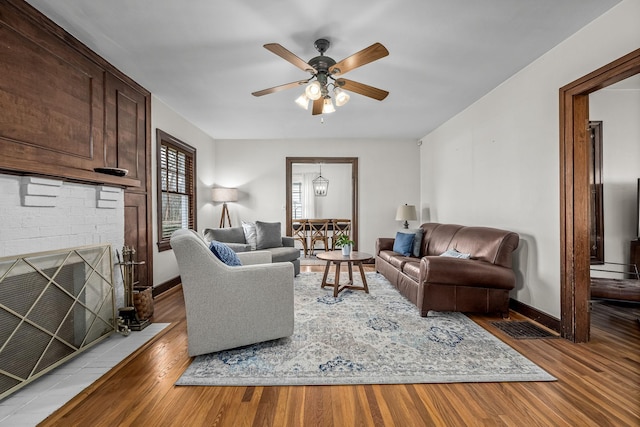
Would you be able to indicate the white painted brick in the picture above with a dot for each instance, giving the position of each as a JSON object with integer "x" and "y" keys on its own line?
{"x": 108, "y": 195}
{"x": 110, "y": 189}
{"x": 41, "y": 201}
{"x": 42, "y": 181}
{"x": 107, "y": 204}
{"x": 75, "y": 221}
{"x": 41, "y": 190}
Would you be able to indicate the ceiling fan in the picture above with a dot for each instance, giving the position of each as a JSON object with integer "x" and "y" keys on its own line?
{"x": 324, "y": 74}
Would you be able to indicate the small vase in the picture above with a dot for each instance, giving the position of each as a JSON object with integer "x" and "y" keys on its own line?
{"x": 346, "y": 250}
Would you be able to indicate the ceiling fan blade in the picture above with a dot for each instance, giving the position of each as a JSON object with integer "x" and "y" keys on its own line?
{"x": 288, "y": 56}
{"x": 366, "y": 55}
{"x": 317, "y": 106}
{"x": 362, "y": 89}
{"x": 279, "y": 88}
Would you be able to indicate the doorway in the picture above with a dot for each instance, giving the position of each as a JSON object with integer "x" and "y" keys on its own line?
{"x": 575, "y": 192}
{"x": 351, "y": 161}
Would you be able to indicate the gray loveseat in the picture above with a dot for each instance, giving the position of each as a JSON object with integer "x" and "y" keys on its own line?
{"x": 266, "y": 236}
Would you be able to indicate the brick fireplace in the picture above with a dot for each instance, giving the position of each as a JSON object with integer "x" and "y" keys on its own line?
{"x": 41, "y": 214}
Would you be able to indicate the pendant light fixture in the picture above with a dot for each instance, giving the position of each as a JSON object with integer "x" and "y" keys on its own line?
{"x": 320, "y": 185}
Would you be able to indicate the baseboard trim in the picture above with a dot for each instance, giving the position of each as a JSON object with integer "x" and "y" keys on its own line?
{"x": 164, "y": 287}
{"x": 535, "y": 315}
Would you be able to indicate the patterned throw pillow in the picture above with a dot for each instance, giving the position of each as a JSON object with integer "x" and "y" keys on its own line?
{"x": 224, "y": 253}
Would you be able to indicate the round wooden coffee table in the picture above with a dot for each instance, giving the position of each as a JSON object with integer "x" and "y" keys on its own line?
{"x": 336, "y": 257}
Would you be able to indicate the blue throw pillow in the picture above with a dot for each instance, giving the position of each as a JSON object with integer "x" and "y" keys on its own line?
{"x": 417, "y": 239}
{"x": 224, "y": 253}
{"x": 403, "y": 243}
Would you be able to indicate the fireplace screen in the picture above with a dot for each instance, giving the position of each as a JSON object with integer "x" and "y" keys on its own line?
{"x": 53, "y": 305}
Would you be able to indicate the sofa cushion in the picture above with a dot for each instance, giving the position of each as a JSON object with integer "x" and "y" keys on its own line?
{"x": 224, "y": 253}
{"x": 226, "y": 235}
{"x": 412, "y": 269}
{"x": 250, "y": 235}
{"x": 268, "y": 235}
{"x": 387, "y": 255}
{"x": 284, "y": 253}
{"x": 403, "y": 244}
{"x": 399, "y": 261}
{"x": 239, "y": 247}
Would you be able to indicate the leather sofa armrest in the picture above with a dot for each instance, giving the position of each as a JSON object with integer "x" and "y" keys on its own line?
{"x": 288, "y": 241}
{"x": 465, "y": 272}
{"x": 384, "y": 244}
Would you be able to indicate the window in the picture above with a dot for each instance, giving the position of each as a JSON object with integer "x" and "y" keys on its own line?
{"x": 176, "y": 187}
{"x": 296, "y": 200}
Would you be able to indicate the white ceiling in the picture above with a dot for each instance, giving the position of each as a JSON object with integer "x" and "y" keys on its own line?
{"x": 204, "y": 57}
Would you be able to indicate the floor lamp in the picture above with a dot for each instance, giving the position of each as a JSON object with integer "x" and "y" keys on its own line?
{"x": 224, "y": 195}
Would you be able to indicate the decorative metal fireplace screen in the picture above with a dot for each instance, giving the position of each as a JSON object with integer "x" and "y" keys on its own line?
{"x": 53, "y": 305}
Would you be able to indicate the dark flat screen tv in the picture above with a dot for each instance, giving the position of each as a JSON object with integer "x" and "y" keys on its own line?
{"x": 638, "y": 211}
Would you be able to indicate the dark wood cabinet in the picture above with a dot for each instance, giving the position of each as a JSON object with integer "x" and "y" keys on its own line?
{"x": 126, "y": 128}
{"x": 66, "y": 111}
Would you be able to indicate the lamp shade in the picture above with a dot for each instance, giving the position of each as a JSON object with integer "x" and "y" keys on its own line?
{"x": 406, "y": 213}
{"x": 220, "y": 194}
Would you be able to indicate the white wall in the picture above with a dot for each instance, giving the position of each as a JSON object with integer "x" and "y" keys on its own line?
{"x": 619, "y": 111}
{"x": 388, "y": 171}
{"x": 497, "y": 162}
{"x": 164, "y": 118}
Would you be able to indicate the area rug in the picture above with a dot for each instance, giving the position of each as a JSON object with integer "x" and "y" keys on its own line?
{"x": 310, "y": 260}
{"x": 359, "y": 338}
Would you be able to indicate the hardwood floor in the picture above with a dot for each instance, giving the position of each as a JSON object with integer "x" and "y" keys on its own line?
{"x": 598, "y": 385}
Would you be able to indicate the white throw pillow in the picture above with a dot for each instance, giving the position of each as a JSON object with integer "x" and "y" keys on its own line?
{"x": 455, "y": 254}
{"x": 250, "y": 234}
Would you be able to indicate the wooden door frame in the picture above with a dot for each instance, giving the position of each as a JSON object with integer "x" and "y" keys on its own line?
{"x": 574, "y": 192}
{"x": 353, "y": 161}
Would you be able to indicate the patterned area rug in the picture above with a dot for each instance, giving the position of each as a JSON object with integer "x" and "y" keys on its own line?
{"x": 359, "y": 338}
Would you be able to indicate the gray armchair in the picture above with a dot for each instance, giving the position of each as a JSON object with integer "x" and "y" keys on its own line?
{"x": 229, "y": 307}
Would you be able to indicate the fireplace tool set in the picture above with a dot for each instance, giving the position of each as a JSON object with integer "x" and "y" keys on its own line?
{"x": 138, "y": 303}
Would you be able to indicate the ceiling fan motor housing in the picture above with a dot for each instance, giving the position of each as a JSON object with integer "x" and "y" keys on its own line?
{"x": 322, "y": 45}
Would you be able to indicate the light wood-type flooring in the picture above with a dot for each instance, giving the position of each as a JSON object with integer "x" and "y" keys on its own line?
{"x": 598, "y": 385}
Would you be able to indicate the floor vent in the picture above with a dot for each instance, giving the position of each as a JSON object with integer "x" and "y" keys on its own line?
{"x": 522, "y": 330}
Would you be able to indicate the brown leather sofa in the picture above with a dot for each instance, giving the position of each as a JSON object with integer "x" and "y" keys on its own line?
{"x": 434, "y": 282}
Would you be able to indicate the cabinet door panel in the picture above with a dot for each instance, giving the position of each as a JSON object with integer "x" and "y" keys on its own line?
{"x": 126, "y": 129}
{"x": 136, "y": 234}
{"x": 52, "y": 107}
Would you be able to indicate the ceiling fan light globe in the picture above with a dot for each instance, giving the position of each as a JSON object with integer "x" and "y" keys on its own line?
{"x": 303, "y": 101}
{"x": 313, "y": 91}
{"x": 328, "y": 106}
{"x": 342, "y": 97}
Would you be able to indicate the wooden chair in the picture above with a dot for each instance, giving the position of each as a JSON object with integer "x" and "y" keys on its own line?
{"x": 319, "y": 232}
{"x": 340, "y": 227}
{"x": 300, "y": 231}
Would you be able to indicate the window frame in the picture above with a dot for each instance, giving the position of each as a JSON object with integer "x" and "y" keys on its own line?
{"x": 164, "y": 139}
{"x": 296, "y": 212}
